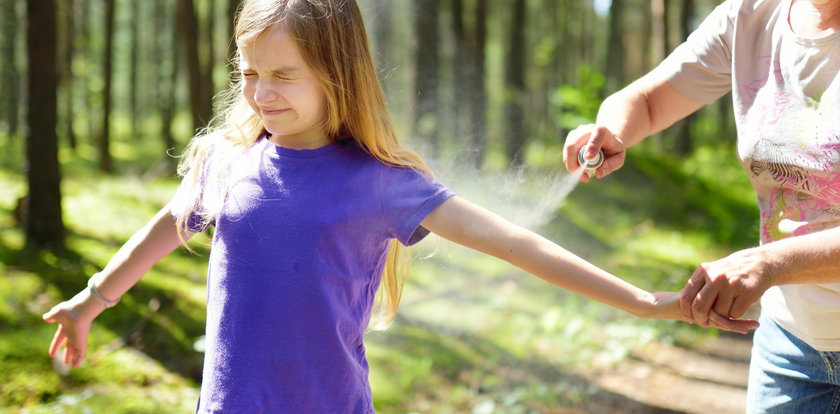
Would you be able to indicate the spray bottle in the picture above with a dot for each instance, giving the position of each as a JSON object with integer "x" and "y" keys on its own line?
{"x": 590, "y": 164}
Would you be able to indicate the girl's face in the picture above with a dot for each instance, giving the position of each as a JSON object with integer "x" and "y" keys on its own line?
{"x": 283, "y": 90}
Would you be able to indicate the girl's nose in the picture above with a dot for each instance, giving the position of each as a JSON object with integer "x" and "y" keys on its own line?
{"x": 264, "y": 94}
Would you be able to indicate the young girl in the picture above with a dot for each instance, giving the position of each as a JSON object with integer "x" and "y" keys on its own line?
{"x": 308, "y": 189}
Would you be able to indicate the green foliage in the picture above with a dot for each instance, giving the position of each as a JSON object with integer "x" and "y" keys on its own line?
{"x": 578, "y": 103}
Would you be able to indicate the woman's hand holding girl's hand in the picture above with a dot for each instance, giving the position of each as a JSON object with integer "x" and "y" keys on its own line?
{"x": 728, "y": 286}
{"x": 666, "y": 305}
{"x": 74, "y": 318}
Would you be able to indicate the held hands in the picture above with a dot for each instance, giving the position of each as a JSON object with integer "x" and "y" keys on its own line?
{"x": 594, "y": 138}
{"x": 666, "y": 305}
{"x": 727, "y": 286}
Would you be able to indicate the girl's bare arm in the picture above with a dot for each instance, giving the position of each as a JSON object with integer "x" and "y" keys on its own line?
{"x": 465, "y": 223}
{"x": 74, "y": 316}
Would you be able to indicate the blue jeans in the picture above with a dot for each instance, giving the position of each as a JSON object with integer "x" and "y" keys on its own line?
{"x": 789, "y": 376}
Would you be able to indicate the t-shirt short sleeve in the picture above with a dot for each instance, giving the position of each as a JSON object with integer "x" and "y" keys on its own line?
{"x": 407, "y": 197}
{"x": 701, "y": 67}
{"x": 189, "y": 198}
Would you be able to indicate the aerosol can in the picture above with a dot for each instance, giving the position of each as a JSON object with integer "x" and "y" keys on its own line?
{"x": 590, "y": 164}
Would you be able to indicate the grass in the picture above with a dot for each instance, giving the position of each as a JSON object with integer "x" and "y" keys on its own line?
{"x": 474, "y": 335}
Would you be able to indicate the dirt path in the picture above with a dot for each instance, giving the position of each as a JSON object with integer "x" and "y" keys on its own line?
{"x": 711, "y": 378}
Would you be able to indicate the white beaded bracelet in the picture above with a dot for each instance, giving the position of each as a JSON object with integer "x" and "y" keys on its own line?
{"x": 98, "y": 296}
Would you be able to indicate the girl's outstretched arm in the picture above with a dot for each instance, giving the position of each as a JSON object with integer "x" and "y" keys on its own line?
{"x": 74, "y": 316}
{"x": 465, "y": 223}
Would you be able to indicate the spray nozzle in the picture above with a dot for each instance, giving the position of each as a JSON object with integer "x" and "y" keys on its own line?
{"x": 590, "y": 164}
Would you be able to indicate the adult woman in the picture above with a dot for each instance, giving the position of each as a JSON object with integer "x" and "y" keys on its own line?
{"x": 780, "y": 60}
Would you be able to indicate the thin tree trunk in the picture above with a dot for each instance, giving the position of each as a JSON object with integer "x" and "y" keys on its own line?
{"x": 684, "y": 142}
{"x": 133, "y": 65}
{"x": 615, "y": 47}
{"x": 460, "y": 71}
{"x": 647, "y": 39}
{"x": 200, "y": 100}
{"x": 67, "y": 54}
{"x": 233, "y": 6}
{"x": 477, "y": 87}
{"x": 43, "y": 221}
{"x": 105, "y": 160}
{"x": 660, "y": 29}
{"x": 166, "y": 74}
{"x": 551, "y": 71}
{"x": 10, "y": 77}
{"x": 209, "y": 61}
{"x": 426, "y": 122}
{"x": 383, "y": 33}
{"x": 726, "y": 127}
{"x": 87, "y": 53}
{"x": 559, "y": 24}
{"x": 515, "y": 85}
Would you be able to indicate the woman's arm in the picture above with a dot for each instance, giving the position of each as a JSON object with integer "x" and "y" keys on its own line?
{"x": 641, "y": 109}
{"x": 729, "y": 286}
{"x": 151, "y": 243}
{"x": 470, "y": 225}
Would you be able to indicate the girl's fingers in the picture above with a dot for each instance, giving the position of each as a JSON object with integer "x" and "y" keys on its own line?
{"x": 735, "y": 325}
{"x": 58, "y": 340}
{"x": 50, "y": 315}
{"x": 80, "y": 356}
{"x": 68, "y": 354}
{"x": 726, "y": 324}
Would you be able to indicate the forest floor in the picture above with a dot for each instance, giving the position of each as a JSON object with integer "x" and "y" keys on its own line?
{"x": 711, "y": 378}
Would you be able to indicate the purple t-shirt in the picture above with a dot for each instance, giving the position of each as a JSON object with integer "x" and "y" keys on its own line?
{"x": 299, "y": 246}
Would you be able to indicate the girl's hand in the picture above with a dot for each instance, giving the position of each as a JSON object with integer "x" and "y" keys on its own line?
{"x": 594, "y": 138}
{"x": 74, "y": 320}
{"x": 666, "y": 305}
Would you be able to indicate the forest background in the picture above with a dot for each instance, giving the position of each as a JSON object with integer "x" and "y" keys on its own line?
{"x": 98, "y": 97}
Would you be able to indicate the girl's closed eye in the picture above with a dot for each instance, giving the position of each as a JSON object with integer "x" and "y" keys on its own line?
{"x": 284, "y": 76}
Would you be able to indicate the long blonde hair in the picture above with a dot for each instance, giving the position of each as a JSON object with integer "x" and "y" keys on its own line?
{"x": 331, "y": 37}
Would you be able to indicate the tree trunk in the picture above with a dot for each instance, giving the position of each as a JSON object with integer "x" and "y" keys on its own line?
{"x": 87, "y": 52}
{"x": 383, "y": 33}
{"x": 426, "y": 121}
{"x": 477, "y": 87}
{"x": 660, "y": 29}
{"x": 726, "y": 122}
{"x": 105, "y": 161}
{"x": 166, "y": 39}
{"x": 209, "y": 60}
{"x": 647, "y": 39}
{"x": 461, "y": 106}
{"x": 9, "y": 89}
{"x": 133, "y": 65}
{"x": 68, "y": 51}
{"x": 201, "y": 101}
{"x": 684, "y": 142}
{"x": 615, "y": 47}
{"x": 233, "y": 6}
{"x": 43, "y": 221}
{"x": 515, "y": 85}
